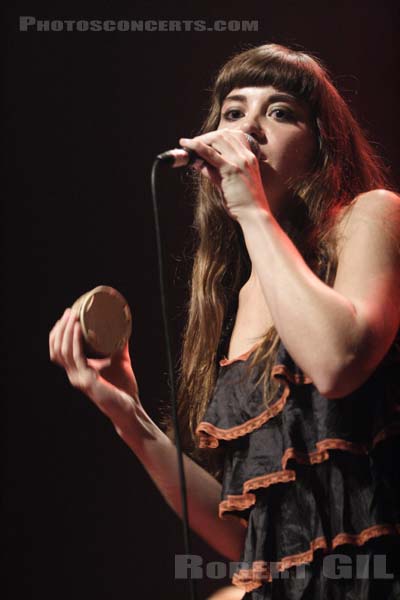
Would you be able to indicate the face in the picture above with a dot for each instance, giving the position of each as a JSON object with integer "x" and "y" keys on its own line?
{"x": 282, "y": 126}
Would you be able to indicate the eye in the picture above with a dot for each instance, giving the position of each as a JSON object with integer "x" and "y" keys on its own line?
{"x": 232, "y": 114}
{"x": 282, "y": 114}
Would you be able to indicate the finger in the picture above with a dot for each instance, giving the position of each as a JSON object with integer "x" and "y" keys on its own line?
{"x": 239, "y": 138}
{"x": 66, "y": 344}
{"x": 125, "y": 351}
{"x": 58, "y": 332}
{"x": 208, "y": 172}
{"x": 234, "y": 147}
{"x": 51, "y": 342}
{"x": 226, "y": 141}
{"x": 121, "y": 356}
{"x": 209, "y": 137}
{"x": 232, "y": 152}
{"x": 78, "y": 354}
{"x": 79, "y": 373}
{"x": 212, "y": 174}
{"x": 211, "y": 156}
{"x": 99, "y": 363}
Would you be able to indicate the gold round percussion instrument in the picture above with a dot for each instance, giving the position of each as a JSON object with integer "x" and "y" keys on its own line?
{"x": 105, "y": 319}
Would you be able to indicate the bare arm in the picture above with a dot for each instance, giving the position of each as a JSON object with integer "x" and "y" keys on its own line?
{"x": 112, "y": 386}
{"x": 336, "y": 335}
{"x": 158, "y": 456}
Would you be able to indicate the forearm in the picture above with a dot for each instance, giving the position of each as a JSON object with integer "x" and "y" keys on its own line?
{"x": 318, "y": 326}
{"x": 158, "y": 455}
{"x": 152, "y": 447}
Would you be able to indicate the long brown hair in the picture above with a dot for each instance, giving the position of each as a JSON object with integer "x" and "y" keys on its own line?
{"x": 345, "y": 166}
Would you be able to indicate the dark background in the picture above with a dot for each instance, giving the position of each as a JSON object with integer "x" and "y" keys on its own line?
{"x": 85, "y": 114}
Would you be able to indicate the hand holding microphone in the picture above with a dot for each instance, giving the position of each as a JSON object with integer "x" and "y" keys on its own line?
{"x": 230, "y": 158}
{"x": 184, "y": 157}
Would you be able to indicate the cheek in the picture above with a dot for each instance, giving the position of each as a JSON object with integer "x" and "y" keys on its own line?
{"x": 299, "y": 151}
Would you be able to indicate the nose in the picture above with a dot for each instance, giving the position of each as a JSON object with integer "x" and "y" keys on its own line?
{"x": 252, "y": 126}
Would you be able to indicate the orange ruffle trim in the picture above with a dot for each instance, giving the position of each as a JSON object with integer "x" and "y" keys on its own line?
{"x": 243, "y": 357}
{"x": 247, "y": 499}
{"x": 262, "y": 571}
{"x": 209, "y": 434}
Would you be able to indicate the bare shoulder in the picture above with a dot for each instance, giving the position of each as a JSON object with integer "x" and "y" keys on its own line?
{"x": 368, "y": 270}
{"x": 380, "y": 206}
{"x": 373, "y": 216}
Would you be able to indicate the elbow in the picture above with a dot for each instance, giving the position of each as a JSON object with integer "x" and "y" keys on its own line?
{"x": 339, "y": 379}
{"x": 346, "y": 365}
{"x": 333, "y": 390}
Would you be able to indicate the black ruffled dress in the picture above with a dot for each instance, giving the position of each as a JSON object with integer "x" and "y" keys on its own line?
{"x": 314, "y": 480}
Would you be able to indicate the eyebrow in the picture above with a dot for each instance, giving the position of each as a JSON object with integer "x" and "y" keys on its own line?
{"x": 273, "y": 98}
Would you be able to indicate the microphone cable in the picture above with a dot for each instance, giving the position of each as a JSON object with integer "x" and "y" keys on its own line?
{"x": 174, "y": 408}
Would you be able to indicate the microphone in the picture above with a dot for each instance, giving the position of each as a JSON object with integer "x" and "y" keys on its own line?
{"x": 183, "y": 157}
